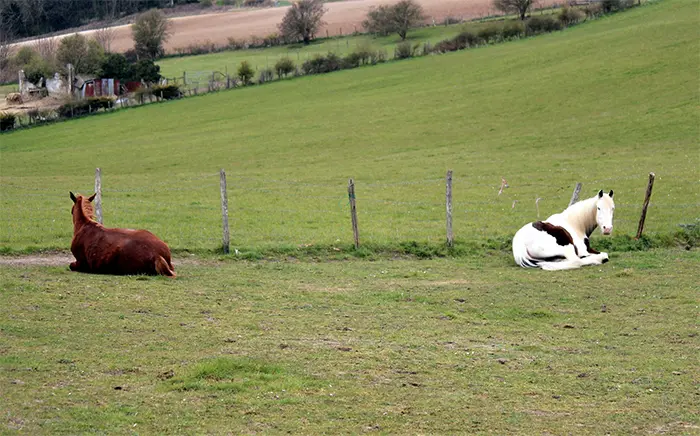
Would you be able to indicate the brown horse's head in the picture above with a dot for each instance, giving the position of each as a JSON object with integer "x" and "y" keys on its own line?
{"x": 84, "y": 210}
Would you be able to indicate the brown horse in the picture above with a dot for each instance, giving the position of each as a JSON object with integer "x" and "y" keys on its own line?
{"x": 114, "y": 251}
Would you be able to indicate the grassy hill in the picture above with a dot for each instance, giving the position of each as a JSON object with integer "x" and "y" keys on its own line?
{"x": 603, "y": 104}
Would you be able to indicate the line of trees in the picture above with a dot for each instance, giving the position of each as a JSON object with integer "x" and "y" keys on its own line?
{"x": 25, "y": 18}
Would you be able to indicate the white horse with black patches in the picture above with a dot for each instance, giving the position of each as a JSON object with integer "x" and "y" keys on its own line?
{"x": 561, "y": 241}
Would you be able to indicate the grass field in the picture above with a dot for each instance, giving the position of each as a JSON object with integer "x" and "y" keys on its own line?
{"x": 393, "y": 345}
{"x": 603, "y": 104}
{"x": 442, "y": 346}
{"x": 6, "y": 89}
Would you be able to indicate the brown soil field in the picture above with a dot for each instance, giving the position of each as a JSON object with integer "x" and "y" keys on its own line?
{"x": 341, "y": 18}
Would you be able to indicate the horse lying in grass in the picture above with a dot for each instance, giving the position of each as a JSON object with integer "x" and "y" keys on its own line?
{"x": 114, "y": 251}
{"x": 561, "y": 241}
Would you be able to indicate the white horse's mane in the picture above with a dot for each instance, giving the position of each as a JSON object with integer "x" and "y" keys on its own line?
{"x": 581, "y": 216}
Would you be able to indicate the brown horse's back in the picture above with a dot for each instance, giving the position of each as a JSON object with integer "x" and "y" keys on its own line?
{"x": 120, "y": 251}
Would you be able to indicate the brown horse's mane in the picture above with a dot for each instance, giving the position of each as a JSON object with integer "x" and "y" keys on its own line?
{"x": 86, "y": 208}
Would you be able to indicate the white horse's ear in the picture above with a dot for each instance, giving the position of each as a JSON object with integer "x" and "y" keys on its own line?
{"x": 611, "y": 193}
{"x": 72, "y": 197}
{"x": 600, "y": 194}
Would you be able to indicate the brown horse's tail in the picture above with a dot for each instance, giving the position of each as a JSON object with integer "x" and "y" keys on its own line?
{"x": 164, "y": 268}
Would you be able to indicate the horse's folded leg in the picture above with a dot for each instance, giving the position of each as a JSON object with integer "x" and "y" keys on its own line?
{"x": 74, "y": 266}
{"x": 163, "y": 268}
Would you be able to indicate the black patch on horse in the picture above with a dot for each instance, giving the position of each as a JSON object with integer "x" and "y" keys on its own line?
{"x": 562, "y": 236}
{"x": 588, "y": 247}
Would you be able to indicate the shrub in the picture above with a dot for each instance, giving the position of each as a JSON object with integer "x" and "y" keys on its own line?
{"x": 467, "y": 39}
{"x": 166, "y": 92}
{"x": 609, "y": 6}
{"x": 445, "y": 45}
{"x": 198, "y": 48}
{"x": 272, "y": 40}
{"x": 7, "y": 121}
{"x": 255, "y": 41}
{"x": 146, "y": 70}
{"x": 352, "y": 60}
{"x": 490, "y": 33}
{"x": 320, "y": 64}
{"x": 405, "y": 50}
{"x": 542, "y": 24}
{"x": 378, "y": 57}
{"x": 513, "y": 29}
{"x": 245, "y": 72}
{"x": 266, "y": 75}
{"x": 37, "y": 69}
{"x": 284, "y": 66}
{"x": 593, "y": 10}
{"x": 570, "y": 16}
{"x": 236, "y": 44}
{"x": 206, "y": 3}
{"x": 73, "y": 108}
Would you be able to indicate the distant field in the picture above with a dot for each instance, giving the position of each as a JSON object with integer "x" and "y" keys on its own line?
{"x": 447, "y": 346}
{"x": 603, "y": 104}
{"x": 266, "y": 58}
{"x": 6, "y": 89}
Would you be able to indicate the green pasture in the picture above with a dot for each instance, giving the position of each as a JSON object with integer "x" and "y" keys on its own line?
{"x": 446, "y": 346}
{"x": 603, "y": 103}
{"x": 8, "y": 88}
{"x": 266, "y": 57}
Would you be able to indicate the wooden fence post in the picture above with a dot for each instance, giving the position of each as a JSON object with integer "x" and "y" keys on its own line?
{"x": 574, "y": 196}
{"x": 224, "y": 212}
{"x": 448, "y": 204}
{"x": 98, "y": 195}
{"x": 647, "y": 197}
{"x": 353, "y": 213}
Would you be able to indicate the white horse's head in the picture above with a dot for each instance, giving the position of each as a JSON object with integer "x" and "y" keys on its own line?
{"x": 604, "y": 214}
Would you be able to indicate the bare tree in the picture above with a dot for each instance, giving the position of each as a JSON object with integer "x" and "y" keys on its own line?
{"x": 397, "y": 18}
{"x": 105, "y": 36}
{"x": 47, "y": 48}
{"x": 150, "y": 31}
{"x": 302, "y": 21}
{"x": 520, "y": 7}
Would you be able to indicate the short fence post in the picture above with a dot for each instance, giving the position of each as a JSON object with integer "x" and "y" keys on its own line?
{"x": 353, "y": 213}
{"x": 448, "y": 204}
{"x": 647, "y": 197}
{"x": 98, "y": 195}
{"x": 224, "y": 211}
{"x": 574, "y": 196}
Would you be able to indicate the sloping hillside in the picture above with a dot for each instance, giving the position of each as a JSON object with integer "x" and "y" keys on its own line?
{"x": 603, "y": 104}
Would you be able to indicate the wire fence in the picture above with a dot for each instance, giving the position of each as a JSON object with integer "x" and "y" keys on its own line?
{"x": 185, "y": 210}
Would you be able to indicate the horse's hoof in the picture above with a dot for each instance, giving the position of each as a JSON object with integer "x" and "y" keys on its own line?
{"x": 606, "y": 260}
